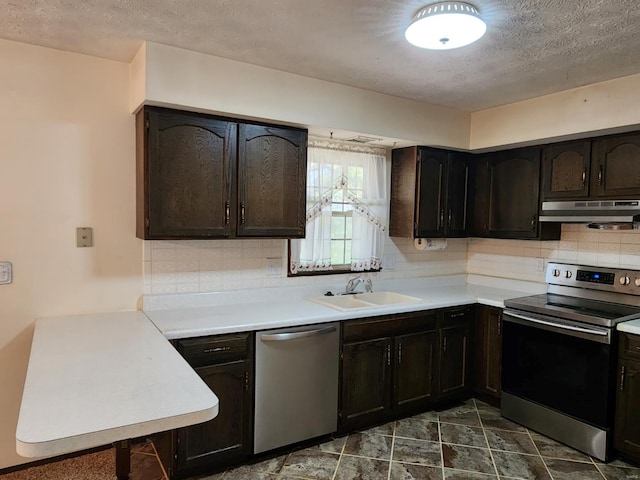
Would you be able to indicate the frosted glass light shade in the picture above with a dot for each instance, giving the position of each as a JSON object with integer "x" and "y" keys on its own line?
{"x": 445, "y": 25}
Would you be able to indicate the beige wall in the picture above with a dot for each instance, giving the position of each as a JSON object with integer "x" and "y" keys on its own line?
{"x": 67, "y": 159}
{"x": 601, "y": 107}
{"x": 194, "y": 80}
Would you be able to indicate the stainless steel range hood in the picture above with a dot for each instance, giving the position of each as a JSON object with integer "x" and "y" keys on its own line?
{"x": 604, "y": 214}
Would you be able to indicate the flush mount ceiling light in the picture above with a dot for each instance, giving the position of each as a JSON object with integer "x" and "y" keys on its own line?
{"x": 445, "y": 25}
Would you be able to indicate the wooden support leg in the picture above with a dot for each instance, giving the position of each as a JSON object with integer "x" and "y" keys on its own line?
{"x": 123, "y": 459}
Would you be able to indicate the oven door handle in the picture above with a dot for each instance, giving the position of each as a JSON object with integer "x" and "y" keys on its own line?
{"x": 561, "y": 326}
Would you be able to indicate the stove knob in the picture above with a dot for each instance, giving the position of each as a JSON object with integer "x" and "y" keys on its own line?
{"x": 625, "y": 280}
{"x": 568, "y": 274}
{"x": 637, "y": 282}
{"x": 556, "y": 272}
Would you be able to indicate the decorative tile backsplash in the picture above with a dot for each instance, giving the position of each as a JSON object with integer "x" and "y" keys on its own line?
{"x": 190, "y": 266}
{"x": 578, "y": 244}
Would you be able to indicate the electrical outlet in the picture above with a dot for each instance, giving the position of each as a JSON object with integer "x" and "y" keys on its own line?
{"x": 539, "y": 264}
{"x": 6, "y": 273}
{"x": 274, "y": 267}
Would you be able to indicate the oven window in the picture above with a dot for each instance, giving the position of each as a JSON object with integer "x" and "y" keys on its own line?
{"x": 565, "y": 373}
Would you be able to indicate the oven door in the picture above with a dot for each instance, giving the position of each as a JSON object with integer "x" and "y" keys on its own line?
{"x": 559, "y": 364}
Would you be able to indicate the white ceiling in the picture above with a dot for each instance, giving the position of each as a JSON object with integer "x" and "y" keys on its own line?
{"x": 532, "y": 47}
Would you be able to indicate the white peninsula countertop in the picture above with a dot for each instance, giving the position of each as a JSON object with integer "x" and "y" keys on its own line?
{"x": 195, "y": 315}
{"x": 632, "y": 327}
{"x": 97, "y": 379}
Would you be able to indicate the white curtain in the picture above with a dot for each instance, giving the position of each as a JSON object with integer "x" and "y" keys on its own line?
{"x": 358, "y": 177}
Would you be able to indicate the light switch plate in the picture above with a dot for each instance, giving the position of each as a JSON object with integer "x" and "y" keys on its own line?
{"x": 84, "y": 237}
{"x": 539, "y": 264}
{"x": 6, "y": 273}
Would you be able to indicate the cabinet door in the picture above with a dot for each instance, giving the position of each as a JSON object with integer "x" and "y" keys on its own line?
{"x": 430, "y": 204}
{"x": 365, "y": 394}
{"x": 514, "y": 179}
{"x": 488, "y": 364}
{"x": 189, "y": 161}
{"x": 454, "y": 344}
{"x": 415, "y": 359}
{"x": 565, "y": 170}
{"x": 627, "y": 432}
{"x": 457, "y": 190}
{"x": 616, "y": 166}
{"x": 272, "y": 178}
{"x": 228, "y": 436}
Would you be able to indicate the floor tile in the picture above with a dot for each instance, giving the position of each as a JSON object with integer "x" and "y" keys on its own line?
{"x": 246, "y": 474}
{"x": 357, "y": 468}
{"x": 465, "y": 414}
{"x": 421, "y": 429}
{"x": 467, "y": 458}
{"x": 517, "y": 465}
{"x": 431, "y": 416}
{"x": 568, "y": 470}
{"x": 493, "y": 421}
{"x": 386, "y": 429}
{"x": 462, "y": 435}
{"x": 310, "y": 463}
{"x": 450, "y": 474}
{"x": 417, "y": 451}
{"x": 270, "y": 465}
{"x": 145, "y": 466}
{"x": 333, "y": 446}
{"x": 613, "y": 472}
{"x": 552, "y": 449}
{"x": 518, "y": 442}
{"x": 406, "y": 471}
{"x": 369, "y": 445}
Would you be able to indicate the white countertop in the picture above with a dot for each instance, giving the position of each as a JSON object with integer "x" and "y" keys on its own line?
{"x": 97, "y": 379}
{"x": 277, "y": 308}
{"x": 630, "y": 327}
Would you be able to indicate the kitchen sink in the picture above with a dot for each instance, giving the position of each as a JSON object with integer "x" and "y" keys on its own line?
{"x": 364, "y": 300}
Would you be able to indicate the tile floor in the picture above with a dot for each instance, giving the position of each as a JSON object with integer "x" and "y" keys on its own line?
{"x": 468, "y": 442}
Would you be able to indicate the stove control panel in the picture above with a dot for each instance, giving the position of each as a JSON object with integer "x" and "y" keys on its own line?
{"x": 595, "y": 278}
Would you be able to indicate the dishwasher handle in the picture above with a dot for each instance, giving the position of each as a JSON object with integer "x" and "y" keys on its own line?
{"x": 281, "y": 337}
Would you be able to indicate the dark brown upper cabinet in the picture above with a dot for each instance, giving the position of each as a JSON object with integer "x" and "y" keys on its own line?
{"x": 272, "y": 173}
{"x": 605, "y": 167}
{"x": 566, "y": 170}
{"x": 429, "y": 188}
{"x": 615, "y": 171}
{"x": 200, "y": 177}
{"x": 506, "y": 196}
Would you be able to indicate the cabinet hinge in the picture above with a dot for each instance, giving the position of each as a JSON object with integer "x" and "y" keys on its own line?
{"x": 146, "y": 124}
{"x": 246, "y": 381}
{"x": 622, "y": 378}
{"x": 147, "y": 222}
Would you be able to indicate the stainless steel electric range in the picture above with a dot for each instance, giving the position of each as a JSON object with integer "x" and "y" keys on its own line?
{"x": 560, "y": 352}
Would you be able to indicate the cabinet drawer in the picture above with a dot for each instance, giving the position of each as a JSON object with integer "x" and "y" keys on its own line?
{"x": 214, "y": 349}
{"x": 388, "y": 325}
{"x": 630, "y": 344}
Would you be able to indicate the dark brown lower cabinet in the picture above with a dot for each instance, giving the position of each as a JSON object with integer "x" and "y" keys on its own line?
{"x": 627, "y": 427}
{"x": 488, "y": 359}
{"x": 387, "y": 368}
{"x": 454, "y": 334}
{"x": 402, "y": 364}
{"x": 225, "y": 363}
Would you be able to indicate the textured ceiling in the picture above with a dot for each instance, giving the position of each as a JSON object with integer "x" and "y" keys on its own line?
{"x": 532, "y": 47}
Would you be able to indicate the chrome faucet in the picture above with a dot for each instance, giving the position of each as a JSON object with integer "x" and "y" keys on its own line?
{"x": 353, "y": 282}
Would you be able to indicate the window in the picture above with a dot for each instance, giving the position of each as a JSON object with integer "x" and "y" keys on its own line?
{"x": 347, "y": 208}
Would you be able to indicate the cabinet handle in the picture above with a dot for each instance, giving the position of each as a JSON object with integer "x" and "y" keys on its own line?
{"x": 584, "y": 176}
{"x": 533, "y": 223}
{"x": 388, "y": 355}
{"x": 400, "y": 354}
{"x": 499, "y": 325}
{"x": 450, "y": 216}
{"x": 444, "y": 345}
{"x": 242, "y": 213}
{"x": 246, "y": 381}
{"x": 441, "y": 219}
{"x": 227, "y": 213}
{"x": 600, "y": 175}
{"x": 459, "y": 314}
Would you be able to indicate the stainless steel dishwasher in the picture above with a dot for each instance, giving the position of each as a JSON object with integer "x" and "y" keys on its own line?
{"x": 296, "y": 384}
